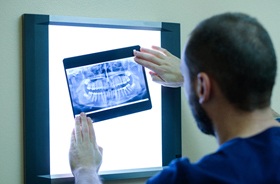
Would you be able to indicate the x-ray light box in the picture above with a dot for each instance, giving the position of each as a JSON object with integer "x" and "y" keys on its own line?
{"x": 135, "y": 145}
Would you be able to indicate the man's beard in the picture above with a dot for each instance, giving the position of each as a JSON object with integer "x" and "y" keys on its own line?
{"x": 203, "y": 121}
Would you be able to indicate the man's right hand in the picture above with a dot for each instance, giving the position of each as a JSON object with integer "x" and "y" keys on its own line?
{"x": 165, "y": 67}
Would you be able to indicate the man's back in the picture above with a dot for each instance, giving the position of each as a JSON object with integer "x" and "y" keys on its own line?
{"x": 240, "y": 160}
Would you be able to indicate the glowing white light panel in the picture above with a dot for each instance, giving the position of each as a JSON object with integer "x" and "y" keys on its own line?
{"x": 129, "y": 142}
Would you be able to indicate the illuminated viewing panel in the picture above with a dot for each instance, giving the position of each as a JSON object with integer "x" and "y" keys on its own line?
{"x": 124, "y": 138}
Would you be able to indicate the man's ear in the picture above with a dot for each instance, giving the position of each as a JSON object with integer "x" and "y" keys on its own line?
{"x": 203, "y": 87}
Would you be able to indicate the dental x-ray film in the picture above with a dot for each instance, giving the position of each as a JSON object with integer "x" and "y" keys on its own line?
{"x": 107, "y": 84}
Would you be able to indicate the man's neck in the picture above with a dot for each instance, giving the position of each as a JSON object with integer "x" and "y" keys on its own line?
{"x": 232, "y": 123}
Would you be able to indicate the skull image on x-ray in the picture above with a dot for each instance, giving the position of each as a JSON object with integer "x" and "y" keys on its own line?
{"x": 106, "y": 84}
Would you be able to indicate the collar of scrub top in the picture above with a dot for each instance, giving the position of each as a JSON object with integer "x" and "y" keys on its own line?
{"x": 276, "y": 115}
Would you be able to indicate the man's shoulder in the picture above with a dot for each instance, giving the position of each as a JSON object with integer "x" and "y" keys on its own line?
{"x": 237, "y": 158}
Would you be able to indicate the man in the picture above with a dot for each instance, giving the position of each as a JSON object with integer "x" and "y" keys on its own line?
{"x": 229, "y": 69}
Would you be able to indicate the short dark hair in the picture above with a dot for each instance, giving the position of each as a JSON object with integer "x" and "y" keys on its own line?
{"x": 238, "y": 53}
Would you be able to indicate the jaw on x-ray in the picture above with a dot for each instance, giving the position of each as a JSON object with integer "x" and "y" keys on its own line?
{"x": 105, "y": 88}
{"x": 106, "y": 84}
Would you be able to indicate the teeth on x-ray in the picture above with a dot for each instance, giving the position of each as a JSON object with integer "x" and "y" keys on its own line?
{"x": 114, "y": 83}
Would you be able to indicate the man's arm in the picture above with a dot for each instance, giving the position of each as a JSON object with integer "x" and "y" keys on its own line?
{"x": 165, "y": 67}
{"x": 85, "y": 156}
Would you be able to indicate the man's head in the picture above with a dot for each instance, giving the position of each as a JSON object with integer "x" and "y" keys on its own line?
{"x": 236, "y": 52}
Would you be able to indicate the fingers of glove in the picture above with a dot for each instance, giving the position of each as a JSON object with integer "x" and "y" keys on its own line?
{"x": 85, "y": 128}
{"x": 78, "y": 133}
{"x": 91, "y": 131}
{"x": 150, "y": 65}
{"x": 154, "y": 53}
{"x": 164, "y": 51}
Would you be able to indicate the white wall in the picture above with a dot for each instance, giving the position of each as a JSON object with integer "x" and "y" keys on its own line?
{"x": 186, "y": 12}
